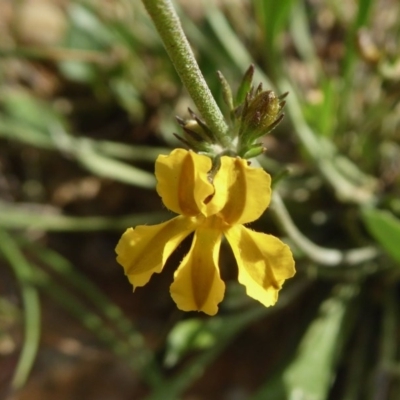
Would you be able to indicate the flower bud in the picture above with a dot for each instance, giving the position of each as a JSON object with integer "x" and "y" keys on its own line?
{"x": 260, "y": 114}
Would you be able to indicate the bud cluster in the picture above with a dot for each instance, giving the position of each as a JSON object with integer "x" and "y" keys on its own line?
{"x": 253, "y": 113}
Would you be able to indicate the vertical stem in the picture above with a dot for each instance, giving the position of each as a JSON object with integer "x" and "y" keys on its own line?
{"x": 170, "y": 30}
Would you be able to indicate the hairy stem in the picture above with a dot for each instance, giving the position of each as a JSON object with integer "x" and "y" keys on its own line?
{"x": 179, "y": 51}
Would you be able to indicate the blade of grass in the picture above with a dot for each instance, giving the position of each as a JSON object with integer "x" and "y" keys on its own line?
{"x": 37, "y": 123}
{"x": 127, "y": 152}
{"x": 131, "y": 336}
{"x": 127, "y": 343}
{"x": 31, "y": 304}
{"x": 109, "y": 168}
{"x": 87, "y": 30}
{"x": 13, "y": 129}
{"x": 134, "y": 357}
{"x": 26, "y": 217}
{"x": 272, "y": 17}
{"x": 323, "y": 114}
{"x": 81, "y": 149}
{"x": 363, "y": 13}
{"x": 348, "y": 67}
{"x": 302, "y": 38}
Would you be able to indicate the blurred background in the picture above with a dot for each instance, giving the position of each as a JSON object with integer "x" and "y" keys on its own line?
{"x": 88, "y": 100}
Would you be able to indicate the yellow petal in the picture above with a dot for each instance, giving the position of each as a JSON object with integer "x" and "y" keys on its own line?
{"x": 144, "y": 250}
{"x": 182, "y": 181}
{"x": 197, "y": 285}
{"x": 264, "y": 262}
{"x": 244, "y": 191}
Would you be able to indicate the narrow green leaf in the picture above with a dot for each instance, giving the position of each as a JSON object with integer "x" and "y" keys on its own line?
{"x": 312, "y": 371}
{"x": 87, "y": 30}
{"x": 21, "y": 106}
{"x": 15, "y": 129}
{"x": 121, "y": 334}
{"x": 113, "y": 169}
{"x": 226, "y": 91}
{"x": 385, "y": 228}
{"x": 272, "y": 18}
{"x": 245, "y": 86}
{"x": 30, "y": 299}
{"x": 34, "y": 216}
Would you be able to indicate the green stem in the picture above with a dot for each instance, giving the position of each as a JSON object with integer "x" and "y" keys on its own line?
{"x": 179, "y": 51}
{"x": 321, "y": 255}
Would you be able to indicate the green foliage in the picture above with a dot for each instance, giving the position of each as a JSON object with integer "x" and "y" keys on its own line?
{"x": 101, "y": 101}
{"x": 385, "y": 228}
{"x": 310, "y": 373}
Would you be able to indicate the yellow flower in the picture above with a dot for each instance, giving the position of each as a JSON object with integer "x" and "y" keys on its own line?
{"x": 238, "y": 194}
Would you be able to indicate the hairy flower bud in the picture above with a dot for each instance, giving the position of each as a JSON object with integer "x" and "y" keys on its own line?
{"x": 261, "y": 114}
{"x": 262, "y": 111}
